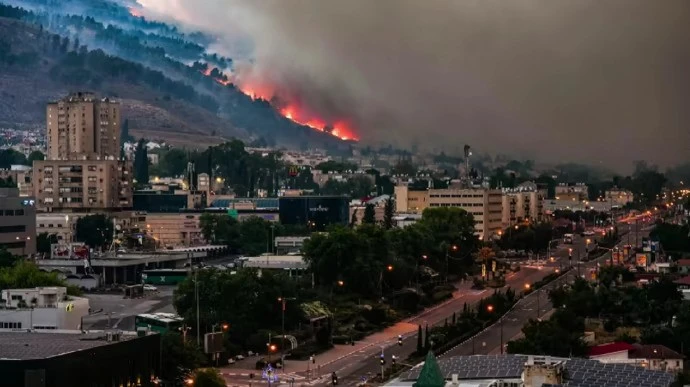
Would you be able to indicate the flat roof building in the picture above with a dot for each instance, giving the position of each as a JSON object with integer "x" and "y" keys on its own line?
{"x": 76, "y": 359}
{"x": 17, "y": 222}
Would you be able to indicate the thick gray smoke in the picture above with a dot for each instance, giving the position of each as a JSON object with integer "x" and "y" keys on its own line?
{"x": 587, "y": 80}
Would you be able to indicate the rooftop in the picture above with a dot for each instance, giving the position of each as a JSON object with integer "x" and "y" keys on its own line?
{"x": 608, "y": 348}
{"x": 33, "y": 345}
{"x": 475, "y": 370}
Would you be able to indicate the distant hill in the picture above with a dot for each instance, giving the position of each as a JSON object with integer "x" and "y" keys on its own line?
{"x": 162, "y": 96}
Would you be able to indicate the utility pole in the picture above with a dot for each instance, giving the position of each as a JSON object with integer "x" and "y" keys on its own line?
{"x": 196, "y": 295}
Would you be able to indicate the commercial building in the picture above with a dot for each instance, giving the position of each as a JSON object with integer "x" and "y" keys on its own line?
{"x": 41, "y": 308}
{"x": 288, "y": 244}
{"x": 80, "y": 185}
{"x": 410, "y": 201}
{"x": 171, "y": 229}
{"x": 618, "y": 197}
{"x": 17, "y": 222}
{"x": 527, "y": 371}
{"x": 315, "y": 212}
{"x": 574, "y": 192}
{"x": 486, "y": 205}
{"x": 83, "y": 125}
{"x": 168, "y": 200}
{"x": 77, "y": 359}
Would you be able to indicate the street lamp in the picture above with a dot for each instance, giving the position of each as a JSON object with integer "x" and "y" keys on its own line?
{"x": 490, "y": 309}
{"x": 283, "y": 301}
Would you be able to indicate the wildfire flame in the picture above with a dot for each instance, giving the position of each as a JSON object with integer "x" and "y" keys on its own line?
{"x": 292, "y": 112}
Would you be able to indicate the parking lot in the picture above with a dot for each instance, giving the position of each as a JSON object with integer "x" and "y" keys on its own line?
{"x": 119, "y": 312}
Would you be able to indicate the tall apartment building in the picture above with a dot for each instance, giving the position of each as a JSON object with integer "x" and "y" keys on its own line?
{"x": 82, "y": 170}
{"x": 17, "y": 222}
{"x": 486, "y": 205}
{"x": 83, "y": 125}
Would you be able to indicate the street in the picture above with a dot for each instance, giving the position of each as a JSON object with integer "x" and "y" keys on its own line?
{"x": 120, "y": 312}
{"x": 353, "y": 363}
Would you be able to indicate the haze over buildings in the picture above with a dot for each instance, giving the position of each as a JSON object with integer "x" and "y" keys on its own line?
{"x": 586, "y": 81}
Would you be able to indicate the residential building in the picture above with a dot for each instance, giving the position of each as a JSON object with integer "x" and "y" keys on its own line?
{"x": 359, "y": 206}
{"x": 79, "y": 359}
{"x": 650, "y": 356}
{"x": 573, "y": 192}
{"x": 82, "y": 124}
{"x": 321, "y": 178}
{"x": 82, "y": 185}
{"x": 618, "y": 197}
{"x": 41, "y": 308}
{"x": 17, "y": 222}
{"x": 522, "y": 204}
{"x": 59, "y": 224}
{"x": 21, "y": 175}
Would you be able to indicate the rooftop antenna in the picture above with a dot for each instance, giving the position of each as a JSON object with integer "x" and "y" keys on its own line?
{"x": 468, "y": 153}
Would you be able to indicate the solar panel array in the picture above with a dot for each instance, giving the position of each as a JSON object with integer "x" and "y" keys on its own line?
{"x": 591, "y": 373}
{"x": 580, "y": 372}
{"x": 478, "y": 367}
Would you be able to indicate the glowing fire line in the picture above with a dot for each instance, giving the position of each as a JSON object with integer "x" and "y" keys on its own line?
{"x": 290, "y": 114}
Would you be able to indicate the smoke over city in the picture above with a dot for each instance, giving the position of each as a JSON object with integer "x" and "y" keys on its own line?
{"x": 591, "y": 81}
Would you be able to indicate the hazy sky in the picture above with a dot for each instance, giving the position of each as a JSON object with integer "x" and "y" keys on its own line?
{"x": 573, "y": 80}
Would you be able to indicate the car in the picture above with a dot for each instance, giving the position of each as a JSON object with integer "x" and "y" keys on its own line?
{"x": 588, "y": 233}
{"x": 150, "y": 288}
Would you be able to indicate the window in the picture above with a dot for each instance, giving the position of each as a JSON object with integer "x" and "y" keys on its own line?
{"x": 12, "y": 229}
{"x": 9, "y": 212}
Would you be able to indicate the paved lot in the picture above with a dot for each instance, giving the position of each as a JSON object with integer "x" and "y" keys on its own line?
{"x": 120, "y": 311}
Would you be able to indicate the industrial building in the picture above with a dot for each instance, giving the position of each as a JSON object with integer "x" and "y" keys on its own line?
{"x": 74, "y": 358}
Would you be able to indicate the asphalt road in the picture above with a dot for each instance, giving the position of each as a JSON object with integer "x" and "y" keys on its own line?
{"x": 119, "y": 312}
{"x": 365, "y": 363}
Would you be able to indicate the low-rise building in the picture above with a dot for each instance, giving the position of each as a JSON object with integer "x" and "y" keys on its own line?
{"x": 289, "y": 244}
{"x": 77, "y": 359}
{"x": 81, "y": 185}
{"x": 574, "y": 192}
{"x": 619, "y": 197}
{"x": 410, "y": 201}
{"x": 17, "y": 222}
{"x": 358, "y": 207}
{"x": 20, "y": 175}
{"x": 41, "y": 308}
{"x": 650, "y": 356}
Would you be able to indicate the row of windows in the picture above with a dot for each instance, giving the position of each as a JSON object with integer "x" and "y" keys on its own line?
{"x": 13, "y": 245}
{"x": 10, "y": 325}
{"x": 19, "y": 212}
{"x": 456, "y": 196}
{"x": 12, "y": 229}
{"x": 50, "y": 225}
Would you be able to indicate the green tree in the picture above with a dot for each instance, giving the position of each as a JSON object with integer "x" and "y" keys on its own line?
{"x": 34, "y": 156}
{"x": 44, "y": 241}
{"x": 208, "y": 377}
{"x": 124, "y": 132}
{"x": 178, "y": 358}
{"x": 96, "y": 231}
{"x": 9, "y": 157}
{"x": 369, "y": 214}
{"x": 7, "y": 183}
{"x": 388, "y": 212}
{"x": 173, "y": 162}
{"x": 22, "y": 274}
{"x": 559, "y": 336}
{"x": 254, "y": 236}
{"x": 7, "y": 259}
{"x": 220, "y": 229}
{"x": 141, "y": 163}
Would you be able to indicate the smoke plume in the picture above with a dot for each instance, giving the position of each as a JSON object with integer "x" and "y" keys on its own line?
{"x": 588, "y": 80}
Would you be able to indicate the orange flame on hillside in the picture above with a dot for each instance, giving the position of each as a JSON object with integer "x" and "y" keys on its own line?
{"x": 292, "y": 112}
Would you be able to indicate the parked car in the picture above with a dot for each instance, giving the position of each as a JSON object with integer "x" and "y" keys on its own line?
{"x": 150, "y": 288}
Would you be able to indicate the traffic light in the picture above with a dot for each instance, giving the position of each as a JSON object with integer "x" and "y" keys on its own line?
{"x": 400, "y": 340}
{"x": 334, "y": 378}
{"x": 383, "y": 360}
